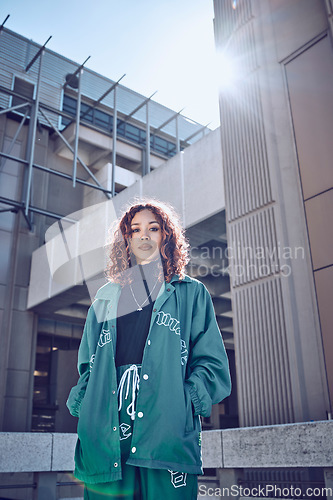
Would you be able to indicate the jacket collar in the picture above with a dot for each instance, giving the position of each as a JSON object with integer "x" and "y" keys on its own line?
{"x": 175, "y": 277}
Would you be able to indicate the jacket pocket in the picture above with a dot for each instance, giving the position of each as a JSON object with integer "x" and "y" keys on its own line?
{"x": 189, "y": 425}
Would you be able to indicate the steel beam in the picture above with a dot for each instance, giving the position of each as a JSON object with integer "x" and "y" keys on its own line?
{"x": 54, "y": 172}
{"x": 33, "y": 124}
{"x": 173, "y": 117}
{"x": 138, "y": 107}
{"x": 77, "y": 127}
{"x": 20, "y": 206}
{"x": 72, "y": 150}
{"x": 201, "y": 129}
{"x": 1, "y": 27}
{"x": 114, "y": 143}
{"x": 76, "y": 72}
{"x": 14, "y": 108}
{"x": 177, "y": 135}
{"x": 39, "y": 53}
{"x": 96, "y": 103}
{"x": 15, "y": 210}
{"x": 147, "y": 165}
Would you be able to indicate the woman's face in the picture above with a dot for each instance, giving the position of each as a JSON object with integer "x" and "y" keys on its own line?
{"x": 146, "y": 238}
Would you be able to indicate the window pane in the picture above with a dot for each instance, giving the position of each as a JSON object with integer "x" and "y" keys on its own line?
{"x": 25, "y": 89}
{"x": 102, "y": 119}
{"x": 87, "y": 111}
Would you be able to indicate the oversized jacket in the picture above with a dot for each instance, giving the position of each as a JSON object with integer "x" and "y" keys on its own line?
{"x": 187, "y": 367}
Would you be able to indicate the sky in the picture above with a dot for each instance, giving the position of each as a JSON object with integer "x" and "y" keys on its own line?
{"x": 163, "y": 45}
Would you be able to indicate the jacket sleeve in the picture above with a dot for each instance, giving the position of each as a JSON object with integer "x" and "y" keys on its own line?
{"x": 86, "y": 351}
{"x": 209, "y": 377}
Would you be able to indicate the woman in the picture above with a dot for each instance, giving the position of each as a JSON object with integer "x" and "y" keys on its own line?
{"x": 151, "y": 361}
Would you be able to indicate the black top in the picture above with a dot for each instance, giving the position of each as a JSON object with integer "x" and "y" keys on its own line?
{"x": 133, "y": 325}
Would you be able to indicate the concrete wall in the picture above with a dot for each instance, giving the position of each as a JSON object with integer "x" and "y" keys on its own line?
{"x": 184, "y": 181}
{"x": 17, "y": 243}
{"x": 279, "y": 353}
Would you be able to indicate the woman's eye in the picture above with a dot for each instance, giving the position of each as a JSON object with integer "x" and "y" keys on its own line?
{"x": 154, "y": 228}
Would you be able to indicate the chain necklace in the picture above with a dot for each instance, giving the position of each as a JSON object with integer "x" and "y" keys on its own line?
{"x": 137, "y": 303}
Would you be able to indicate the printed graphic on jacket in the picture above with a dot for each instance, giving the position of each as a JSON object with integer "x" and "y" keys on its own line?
{"x": 166, "y": 319}
{"x": 123, "y": 429}
{"x": 183, "y": 352}
{"x": 104, "y": 338}
{"x": 178, "y": 478}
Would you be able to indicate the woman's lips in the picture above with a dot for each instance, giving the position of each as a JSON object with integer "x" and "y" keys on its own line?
{"x": 146, "y": 246}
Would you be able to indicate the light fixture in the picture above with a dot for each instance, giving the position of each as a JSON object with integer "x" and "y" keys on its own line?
{"x": 72, "y": 80}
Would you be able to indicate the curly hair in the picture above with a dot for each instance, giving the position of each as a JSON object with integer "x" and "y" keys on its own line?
{"x": 174, "y": 249}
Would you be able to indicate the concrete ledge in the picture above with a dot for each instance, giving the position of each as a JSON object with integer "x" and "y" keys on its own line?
{"x": 290, "y": 445}
{"x": 63, "y": 452}
{"x": 25, "y": 452}
{"x": 212, "y": 448}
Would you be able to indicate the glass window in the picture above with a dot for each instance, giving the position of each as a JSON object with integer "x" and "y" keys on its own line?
{"x": 87, "y": 113}
{"x": 105, "y": 121}
{"x": 54, "y": 376}
{"x": 25, "y": 89}
{"x": 102, "y": 120}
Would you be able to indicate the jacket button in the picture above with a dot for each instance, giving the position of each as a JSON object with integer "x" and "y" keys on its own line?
{"x": 145, "y": 376}
{"x": 154, "y": 310}
{"x": 168, "y": 289}
{"x": 115, "y": 428}
{"x": 133, "y": 449}
{"x": 113, "y": 392}
{"x": 140, "y": 414}
{"x": 149, "y": 342}
{"x": 115, "y": 464}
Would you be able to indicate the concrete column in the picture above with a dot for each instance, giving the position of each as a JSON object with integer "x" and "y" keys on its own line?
{"x": 279, "y": 357}
{"x": 328, "y": 477}
{"x": 229, "y": 482}
{"x": 46, "y": 486}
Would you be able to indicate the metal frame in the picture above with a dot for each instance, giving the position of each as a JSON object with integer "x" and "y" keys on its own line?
{"x": 164, "y": 124}
{"x": 79, "y": 117}
{"x": 34, "y": 108}
{"x": 146, "y": 162}
{"x": 1, "y": 27}
{"x": 202, "y": 129}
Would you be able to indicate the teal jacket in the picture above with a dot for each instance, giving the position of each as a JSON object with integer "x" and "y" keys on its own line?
{"x": 188, "y": 371}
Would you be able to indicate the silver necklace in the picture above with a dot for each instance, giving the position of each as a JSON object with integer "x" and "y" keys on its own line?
{"x": 137, "y": 303}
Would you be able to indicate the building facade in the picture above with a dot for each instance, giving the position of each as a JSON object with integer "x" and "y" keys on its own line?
{"x": 74, "y": 151}
{"x": 276, "y": 134}
{"x": 255, "y": 197}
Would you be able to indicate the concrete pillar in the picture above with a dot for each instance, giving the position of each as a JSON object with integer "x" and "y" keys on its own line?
{"x": 46, "y": 486}
{"x": 328, "y": 477}
{"x": 229, "y": 480}
{"x": 279, "y": 357}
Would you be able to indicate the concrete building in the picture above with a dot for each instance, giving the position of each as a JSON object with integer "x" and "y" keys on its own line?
{"x": 276, "y": 102}
{"x": 255, "y": 198}
{"x": 74, "y": 151}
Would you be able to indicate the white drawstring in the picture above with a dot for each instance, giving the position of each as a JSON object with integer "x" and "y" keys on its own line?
{"x": 135, "y": 385}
